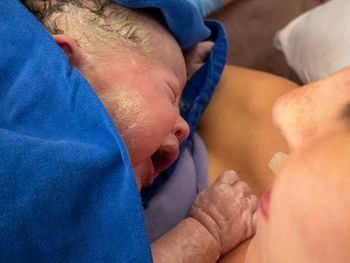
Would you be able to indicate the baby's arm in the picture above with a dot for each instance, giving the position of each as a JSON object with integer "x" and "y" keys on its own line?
{"x": 222, "y": 216}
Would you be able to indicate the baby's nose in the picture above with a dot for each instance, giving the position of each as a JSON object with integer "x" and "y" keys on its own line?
{"x": 181, "y": 129}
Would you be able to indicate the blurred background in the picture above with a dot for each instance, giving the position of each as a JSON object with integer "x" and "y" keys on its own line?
{"x": 251, "y": 26}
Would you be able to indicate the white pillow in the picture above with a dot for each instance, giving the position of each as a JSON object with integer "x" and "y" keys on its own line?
{"x": 317, "y": 43}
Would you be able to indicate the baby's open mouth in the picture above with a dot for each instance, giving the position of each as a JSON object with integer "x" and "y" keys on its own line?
{"x": 164, "y": 157}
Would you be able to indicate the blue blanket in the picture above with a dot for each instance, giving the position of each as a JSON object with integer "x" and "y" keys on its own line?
{"x": 68, "y": 193}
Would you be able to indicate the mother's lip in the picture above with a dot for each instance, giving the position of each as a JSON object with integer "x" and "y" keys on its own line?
{"x": 264, "y": 204}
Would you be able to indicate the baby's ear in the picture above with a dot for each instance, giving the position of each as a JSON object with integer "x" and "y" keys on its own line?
{"x": 196, "y": 57}
{"x": 70, "y": 48}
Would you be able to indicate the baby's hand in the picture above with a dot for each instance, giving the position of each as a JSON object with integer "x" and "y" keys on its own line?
{"x": 227, "y": 209}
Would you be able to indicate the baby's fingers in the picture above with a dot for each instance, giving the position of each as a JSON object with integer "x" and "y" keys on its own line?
{"x": 253, "y": 203}
{"x": 251, "y": 215}
{"x": 228, "y": 177}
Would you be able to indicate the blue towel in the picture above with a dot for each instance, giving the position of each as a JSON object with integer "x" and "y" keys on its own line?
{"x": 207, "y": 7}
{"x": 68, "y": 193}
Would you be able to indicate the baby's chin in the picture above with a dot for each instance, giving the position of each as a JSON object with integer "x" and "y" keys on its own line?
{"x": 144, "y": 173}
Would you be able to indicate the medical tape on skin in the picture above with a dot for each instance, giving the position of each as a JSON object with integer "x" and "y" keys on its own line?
{"x": 277, "y": 161}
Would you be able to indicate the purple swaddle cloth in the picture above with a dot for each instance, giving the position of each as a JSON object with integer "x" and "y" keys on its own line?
{"x": 172, "y": 202}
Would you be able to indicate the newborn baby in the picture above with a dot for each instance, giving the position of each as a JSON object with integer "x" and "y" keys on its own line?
{"x": 138, "y": 71}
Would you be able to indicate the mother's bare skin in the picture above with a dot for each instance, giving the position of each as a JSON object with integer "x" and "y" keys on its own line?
{"x": 222, "y": 216}
{"x": 243, "y": 137}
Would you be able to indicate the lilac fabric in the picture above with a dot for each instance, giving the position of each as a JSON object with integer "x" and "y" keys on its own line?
{"x": 172, "y": 202}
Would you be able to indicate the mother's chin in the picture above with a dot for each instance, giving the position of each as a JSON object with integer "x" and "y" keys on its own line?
{"x": 257, "y": 246}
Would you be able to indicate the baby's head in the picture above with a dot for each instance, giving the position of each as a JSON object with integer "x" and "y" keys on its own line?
{"x": 136, "y": 68}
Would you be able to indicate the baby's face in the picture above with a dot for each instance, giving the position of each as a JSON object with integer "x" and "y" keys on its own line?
{"x": 141, "y": 94}
{"x": 305, "y": 217}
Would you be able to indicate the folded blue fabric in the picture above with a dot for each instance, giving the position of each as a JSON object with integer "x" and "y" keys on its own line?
{"x": 181, "y": 18}
{"x": 196, "y": 96}
{"x": 206, "y": 7}
{"x": 189, "y": 173}
{"x": 68, "y": 193}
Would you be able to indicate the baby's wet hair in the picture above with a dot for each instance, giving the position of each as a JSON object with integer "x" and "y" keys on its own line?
{"x": 94, "y": 22}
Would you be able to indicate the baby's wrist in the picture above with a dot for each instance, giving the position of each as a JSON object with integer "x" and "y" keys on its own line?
{"x": 213, "y": 242}
{"x": 207, "y": 222}
{"x": 189, "y": 241}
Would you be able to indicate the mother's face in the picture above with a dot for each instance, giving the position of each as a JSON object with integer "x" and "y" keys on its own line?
{"x": 306, "y": 112}
{"x": 306, "y": 217}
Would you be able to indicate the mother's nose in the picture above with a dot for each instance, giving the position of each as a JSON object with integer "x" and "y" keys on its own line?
{"x": 181, "y": 129}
